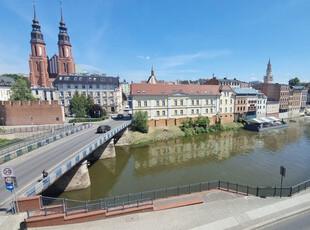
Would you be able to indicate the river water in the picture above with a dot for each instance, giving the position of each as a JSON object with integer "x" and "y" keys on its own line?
{"x": 241, "y": 156}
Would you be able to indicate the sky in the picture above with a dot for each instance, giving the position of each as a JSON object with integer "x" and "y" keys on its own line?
{"x": 182, "y": 39}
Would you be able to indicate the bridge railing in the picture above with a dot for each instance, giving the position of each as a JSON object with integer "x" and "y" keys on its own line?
{"x": 54, "y": 175}
{"x": 123, "y": 202}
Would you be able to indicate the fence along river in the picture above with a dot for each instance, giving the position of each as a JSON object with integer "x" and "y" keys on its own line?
{"x": 242, "y": 156}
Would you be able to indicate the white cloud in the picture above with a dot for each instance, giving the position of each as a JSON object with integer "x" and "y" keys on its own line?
{"x": 91, "y": 69}
{"x": 144, "y": 57}
{"x": 177, "y": 60}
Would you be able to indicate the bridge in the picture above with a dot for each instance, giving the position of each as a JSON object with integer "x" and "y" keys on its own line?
{"x": 58, "y": 158}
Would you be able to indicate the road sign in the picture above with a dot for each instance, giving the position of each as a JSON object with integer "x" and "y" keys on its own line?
{"x": 8, "y": 180}
{"x": 7, "y": 171}
{"x": 10, "y": 187}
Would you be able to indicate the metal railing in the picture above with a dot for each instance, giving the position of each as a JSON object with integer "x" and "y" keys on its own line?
{"x": 32, "y": 129}
{"x": 123, "y": 202}
{"x": 35, "y": 138}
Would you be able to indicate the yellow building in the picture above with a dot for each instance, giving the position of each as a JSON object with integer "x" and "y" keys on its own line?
{"x": 163, "y": 101}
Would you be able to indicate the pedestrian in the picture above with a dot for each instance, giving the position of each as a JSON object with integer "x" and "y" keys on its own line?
{"x": 73, "y": 124}
{"x": 44, "y": 173}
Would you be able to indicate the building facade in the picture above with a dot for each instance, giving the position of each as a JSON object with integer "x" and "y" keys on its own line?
{"x": 272, "y": 109}
{"x": 261, "y": 109}
{"x": 251, "y": 99}
{"x": 5, "y": 87}
{"x": 227, "y": 102}
{"x": 103, "y": 89}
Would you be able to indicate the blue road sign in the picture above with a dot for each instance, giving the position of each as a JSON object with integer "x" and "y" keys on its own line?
{"x": 10, "y": 187}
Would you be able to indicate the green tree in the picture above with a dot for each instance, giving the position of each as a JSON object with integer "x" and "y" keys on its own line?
{"x": 77, "y": 105}
{"x": 294, "y": 81}
{"x": 139, "y": 122}
{"x": 20, "y": 91}
{"x": 96, "y": 111}
{"x": 89, "y": 102}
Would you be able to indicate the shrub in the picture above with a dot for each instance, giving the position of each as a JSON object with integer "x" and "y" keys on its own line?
{"x": 75, "y": 120}
{"x": 139, "y": 122}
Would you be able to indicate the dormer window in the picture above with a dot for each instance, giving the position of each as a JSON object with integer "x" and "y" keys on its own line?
{"x": 80, "y": 78}
{"x": 192, "y": 91}
{"x": 60, "y": 78}
{"x": 206, "y": 91}
{"x": 162, "y": 91}
{"x": 94, "y": 79}
{"x": 138, "y": 91}
{"x": 143, "y": 91}
{"x": 75, "y": 78}
{"x": 89, "y": 79}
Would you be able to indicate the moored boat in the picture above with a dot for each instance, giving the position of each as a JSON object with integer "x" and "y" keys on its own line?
{"x": 266, "y": 123}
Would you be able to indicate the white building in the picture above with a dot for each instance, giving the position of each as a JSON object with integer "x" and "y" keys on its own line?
{"x": 103, "y": 89}
{"x": 261, "y": 108}
{"x": 5, "y": 87}
{"x": 44, "y": 94}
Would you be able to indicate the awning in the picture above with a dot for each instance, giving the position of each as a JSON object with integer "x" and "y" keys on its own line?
{"x": 264, "y": 120}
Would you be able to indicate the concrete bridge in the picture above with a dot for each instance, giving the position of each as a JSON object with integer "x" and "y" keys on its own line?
{"x": 65, "y": 159}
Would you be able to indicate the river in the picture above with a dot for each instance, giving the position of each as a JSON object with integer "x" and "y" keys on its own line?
{"x": 237, "y": 156}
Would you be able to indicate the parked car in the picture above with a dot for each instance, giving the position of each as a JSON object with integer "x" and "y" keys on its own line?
{"x": 103, "y": 128}
{"x": 126, "y": 108}
{"x": 120, "y": 116}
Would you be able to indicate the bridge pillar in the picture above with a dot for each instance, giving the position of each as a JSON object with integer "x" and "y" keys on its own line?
{"x": 109, "y": 151}
{"x": 80, "y": 180}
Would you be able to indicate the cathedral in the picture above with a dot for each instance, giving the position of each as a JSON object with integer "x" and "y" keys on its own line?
{"x": 43, "y": 71}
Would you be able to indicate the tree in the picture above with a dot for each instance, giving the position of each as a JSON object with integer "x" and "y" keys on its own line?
{"x": 20, "y": 91}
{"x": 77, "y": 104}
{"x": 16, "y": 77}
{"x": 294, "y": 81}
{"x": 89, "y": 102}
{"x": 96, "y": 111}
{"x": 139, "y": 122}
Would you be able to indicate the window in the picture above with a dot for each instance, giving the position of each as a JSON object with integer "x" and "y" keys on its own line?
{"x": 164, "y": 113}
{"x": 220, "y": 101}
{"x": 207, "y": 101}
{"x": 225, "y": 110}
{"x": 197, "y": 102}
{"x": 98, "y": 101}
{"x": 175, "y": 112}
{"x": 40, "y": 50}
{"x": 192, "y": 111}
{"x": 91, "y": 94}
{"x": 231, "y": 109}
{"x": 220, "y": 110}
{"x": 193, "y": 102}
{"x": 83, "y": 86}
{"x": 157, "y": 113}
{"x": 181, "y": 112}
{"x": 175, "y": 102}
{"x": 211, "y": 110}
{"x": 197, "y": 111}
{"x": 231, "y": 101}
{"x": 98, "y": 94}
{"x": 225, "y": 101}
{"x": 68, "y": 86}
{"x": 211, "y": 102}
{"x": 90, "y": 86}
{"x": 207, "y": 111}
{"x": 61, "y": 94}
{"x": 76, "y": 86}
{"x": 145, "y": 103}
{"x": 98, "y": 86}
{"x": 62, "y": 102}
{"x": 181, "y": 101}
{"x": 69, "y": 94}
{"x": 163, "y": 103}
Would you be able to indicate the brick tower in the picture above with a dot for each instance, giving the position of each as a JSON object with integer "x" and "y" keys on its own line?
{"x": 66, "y": 64}
{"x": 38, "y": 59}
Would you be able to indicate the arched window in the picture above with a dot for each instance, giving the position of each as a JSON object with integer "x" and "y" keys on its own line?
{"x": 63, "y": 51}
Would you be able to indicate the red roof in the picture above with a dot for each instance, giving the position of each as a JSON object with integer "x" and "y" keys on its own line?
{"x": 165, "y": 89}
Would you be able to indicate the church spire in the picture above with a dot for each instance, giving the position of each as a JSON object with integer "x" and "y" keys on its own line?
{"x": 36, "y": 34}
{"x": 152, "y": 79}
{"x": 152, "y": 72}
{"x": 268, "y": 78}
{"x": 269, "y": 70}
{"x": 63, "y": 37}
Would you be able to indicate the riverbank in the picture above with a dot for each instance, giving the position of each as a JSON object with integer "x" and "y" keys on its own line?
{"x": 163, "y": 133}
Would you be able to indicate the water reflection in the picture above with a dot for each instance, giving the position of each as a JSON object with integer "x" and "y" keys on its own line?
{"x": 240, "y": 156}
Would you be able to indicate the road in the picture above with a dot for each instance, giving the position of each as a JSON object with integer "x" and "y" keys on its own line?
{"x": 28, "y": 168}
{"x": 300, "y": 222}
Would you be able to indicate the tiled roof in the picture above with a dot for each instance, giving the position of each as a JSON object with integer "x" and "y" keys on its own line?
{"x": 165, "y": 89}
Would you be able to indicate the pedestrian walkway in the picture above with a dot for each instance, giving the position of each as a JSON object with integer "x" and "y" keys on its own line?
{"x": 219, "y": 210}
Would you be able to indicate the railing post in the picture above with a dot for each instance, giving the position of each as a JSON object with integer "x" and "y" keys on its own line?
{"x": 63, "y": 204}
{"x": 28, "y": 214}
{"x": 209, "y": 186}
{"x": 86, "y": 206}
{"x": 291, "y": 190}
{"x": 257, "y": 191}
{"x": 275, "y": 191}
{"x": 178, "y": 190}
{"x": 237, "y": 188}
{"x": 41, "y": 201}
{"x": 138, "y": 203}
{"x": 166, "y": 192}
{"x": 154, "y": 194}
{"x": 100, "y": 203}
{"x": 228, "y": 186}
{"x": 247, "y": 190}
{"x": 189, "y": 188}
{"x": 45, "y": 211}
{"x": 200, "y": 187}
{"x": 219, "y": 187}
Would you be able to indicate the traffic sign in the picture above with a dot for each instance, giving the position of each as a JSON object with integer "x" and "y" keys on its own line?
{"x": 8, "y": 180}
{"x": 7, "y": 171}
{"x": 10, "y": 187}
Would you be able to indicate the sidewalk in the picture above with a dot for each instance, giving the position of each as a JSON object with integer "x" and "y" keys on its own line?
{"x": 220, "y": 210}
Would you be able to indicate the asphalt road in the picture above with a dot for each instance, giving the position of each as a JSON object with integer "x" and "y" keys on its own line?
{"x": 28, "y": 168}
{"x": 300, "y": 222}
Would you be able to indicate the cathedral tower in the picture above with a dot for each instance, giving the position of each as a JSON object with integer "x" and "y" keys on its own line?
{"x": 38, "y": 58}
{"x": 66, "y": 64}
{"x": 268, "y": 78}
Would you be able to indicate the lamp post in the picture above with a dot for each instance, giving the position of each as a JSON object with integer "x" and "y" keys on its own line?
{"x": 282, "y": 173}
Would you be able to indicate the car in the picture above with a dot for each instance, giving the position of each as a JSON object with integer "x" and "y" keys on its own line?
{"x": 120, "y": 116}
{"x": 126, "y": 108}
{"x": 103, "y": 128}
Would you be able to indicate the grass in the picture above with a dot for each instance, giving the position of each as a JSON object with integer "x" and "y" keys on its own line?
{"x": 5, "y": 142}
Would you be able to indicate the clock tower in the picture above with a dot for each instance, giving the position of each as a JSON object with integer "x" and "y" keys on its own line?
{"x": 66, "y": 64}
{"x": 38, "y": 59}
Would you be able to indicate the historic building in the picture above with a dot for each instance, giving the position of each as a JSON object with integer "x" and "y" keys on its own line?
{"x": 268, "y": 78}
{"x": 43, "y": 71}
{"x": 233, "y": 83}
{"x": 272, "y": 109}
{"x": 261, "y": 108}
{"x": 247, "y": 101}
{"x": 5, "y": 87}
{"x": 103, "y": 89}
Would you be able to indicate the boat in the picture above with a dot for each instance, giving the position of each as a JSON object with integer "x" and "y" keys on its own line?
{"x": 264, "y": 123}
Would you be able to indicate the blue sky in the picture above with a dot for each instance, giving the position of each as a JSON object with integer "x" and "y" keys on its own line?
{"x": 182, "y": 39}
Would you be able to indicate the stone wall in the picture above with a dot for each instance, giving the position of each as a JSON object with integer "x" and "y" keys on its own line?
{"x": 19, "y": 113}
